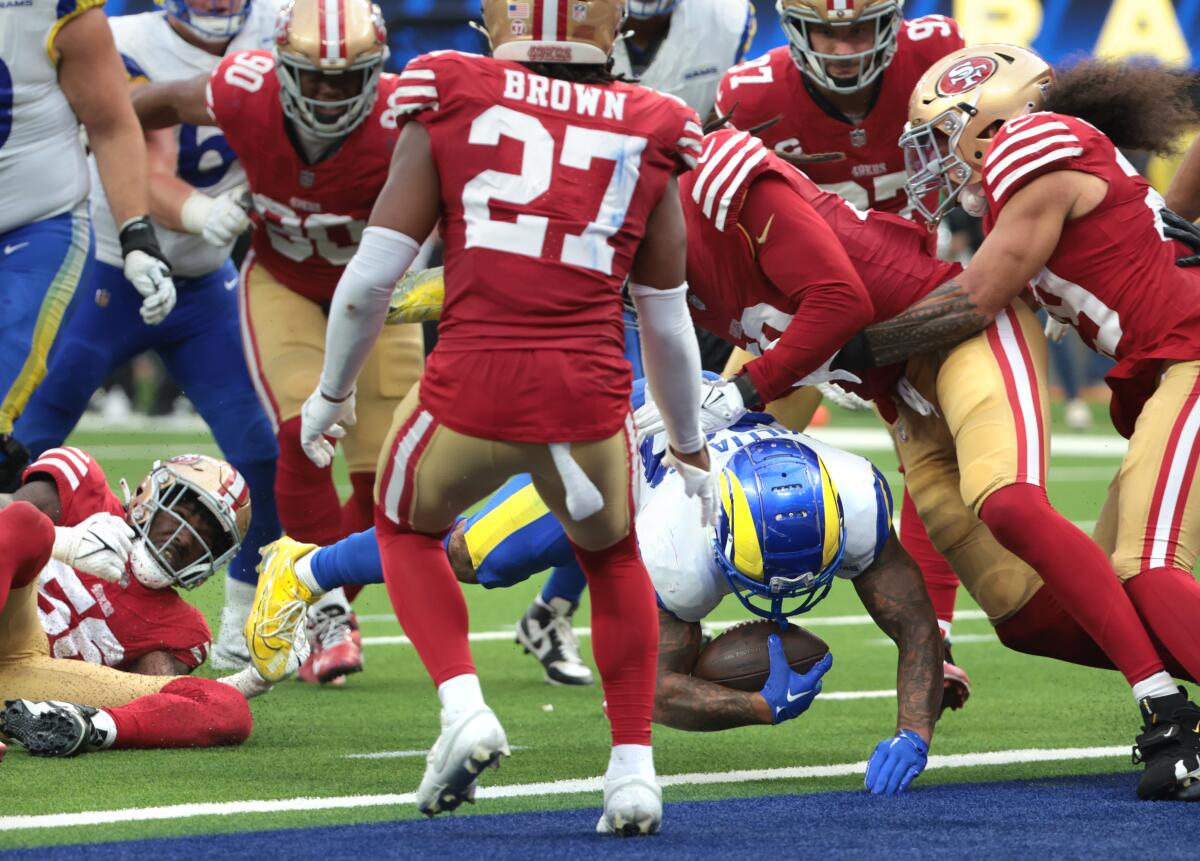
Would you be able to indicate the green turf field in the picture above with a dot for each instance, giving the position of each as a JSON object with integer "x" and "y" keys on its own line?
{"x": 310, "y": 742}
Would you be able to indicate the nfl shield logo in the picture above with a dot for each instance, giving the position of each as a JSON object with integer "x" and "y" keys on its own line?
{"x": 579, "y": 12}
{"x": 307, "y": 178}
{"x": 858, "y": 137}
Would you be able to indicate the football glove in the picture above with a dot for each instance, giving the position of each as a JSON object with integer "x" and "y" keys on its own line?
{"x": 321, "y": 418}
{"x": 697, "y": 482}
{"x": 896, "y": 763}
{"x": 220, "y": 220}
{"x": 1181, "y": 230}
{"x": 418, "y": 297}
{"x": 147, "y": 269}
{"x": 99, "y": 546}
{"x": 846, "y": 400}
{"x": 721, "y": 406}
{"x": 788, "y": 693}
{"x": 915, "y": 400}
{"x": 828, "y": 374}
{"x": 1056, "y": 330}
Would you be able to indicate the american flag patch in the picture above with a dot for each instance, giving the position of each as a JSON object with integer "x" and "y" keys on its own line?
{"x": 518, "y": 10}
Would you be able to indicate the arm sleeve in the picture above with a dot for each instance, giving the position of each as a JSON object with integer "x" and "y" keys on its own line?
{"x": 803, "y": 258}
{"x": 671, "y": 358}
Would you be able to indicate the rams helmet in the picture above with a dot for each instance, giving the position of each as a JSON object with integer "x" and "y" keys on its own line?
{"x": 651, "y": 8}
{"x": 780, "y": 530}
{"x": 797, "y": 16}
{"x": 553, "y": 31}
{"x": 956, "y": 109}
{"x": 220, "y": 492}
{"x": 214, "y": 20}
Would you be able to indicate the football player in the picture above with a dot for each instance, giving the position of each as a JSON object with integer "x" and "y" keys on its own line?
{"x": 313, "y": 123}
{"x": 58, "y": 68}
{"x": 195, "y": 184}
{"x": 87, "y": 665}
{"x": 1183, "y": 196}
{"x": 545, "y": 171}
{"x": 992, "y": 129}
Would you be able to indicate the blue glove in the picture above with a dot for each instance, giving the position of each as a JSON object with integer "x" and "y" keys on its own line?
{"x": 896, "y": 763}
{"x": 788, "y": 693}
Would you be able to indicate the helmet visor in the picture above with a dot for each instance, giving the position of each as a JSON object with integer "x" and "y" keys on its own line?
{"x": 933, "y": 165}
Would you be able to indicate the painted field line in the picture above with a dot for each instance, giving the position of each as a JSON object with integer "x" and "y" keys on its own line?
{"x": 526, "y": 790}
{"x": 406, "y": 754}
{"x": 956, "y": 640}
{"x": 488, "y": 636}
{"x": 1065, "y": 444}
{"x": 842, "y": 696}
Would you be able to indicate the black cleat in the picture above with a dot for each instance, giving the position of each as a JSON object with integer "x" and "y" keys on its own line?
{"x": 51, "y": 728}
{"x": 1170, "y": 748}
{"x": 545, "y": 632}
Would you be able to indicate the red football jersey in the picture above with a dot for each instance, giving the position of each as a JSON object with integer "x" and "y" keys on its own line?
{"x": 1113, "y": 274}
{"x": 310, "y": 217}
{"x": 735, "y": 297}
{"x": 90, "y": 620}
{"x": 871, "y": 176}
{"x": 546, "y": 189}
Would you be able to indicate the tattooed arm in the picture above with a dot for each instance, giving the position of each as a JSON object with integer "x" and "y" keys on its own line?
{"x": 685, "y": 702}
{"x": 894, "y": 594}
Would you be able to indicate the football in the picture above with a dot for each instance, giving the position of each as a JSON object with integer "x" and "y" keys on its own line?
{"x": 738, "y": 657}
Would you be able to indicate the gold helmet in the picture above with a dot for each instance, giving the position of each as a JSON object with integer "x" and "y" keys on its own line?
{"x": 205, "y": 485}
{"x": 329, "y": 37}
{"x": 797, "y": 16}
{"x": 553, "y": 31}
{"x": 956, "y": 109}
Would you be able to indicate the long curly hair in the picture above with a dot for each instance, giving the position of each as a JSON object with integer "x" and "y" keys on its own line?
{"x": 1138, "y": 106}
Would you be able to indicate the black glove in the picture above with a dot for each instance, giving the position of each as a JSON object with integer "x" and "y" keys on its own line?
{"x": 13, "y": 459}
{"x": 137, "y": 234}
{"x": 1181, "y": 230}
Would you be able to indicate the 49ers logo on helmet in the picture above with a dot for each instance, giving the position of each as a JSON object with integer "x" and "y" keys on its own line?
{"x": 966, "y": 75}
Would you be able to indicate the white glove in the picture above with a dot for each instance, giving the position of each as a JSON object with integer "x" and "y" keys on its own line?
{"x": 909, "y": 394}
{"x": 826, "y": 374}
{"x": 1056, "y": 331}
{"x": 319, "y": 418}
{"x": 99, "y": 546}
{"x": 721, "y": 406}
{"x": 152, "y": 278}
{"x": 844, "y": 399}
{"x": 700, "y": 483}
{"x": 220, "y": 220}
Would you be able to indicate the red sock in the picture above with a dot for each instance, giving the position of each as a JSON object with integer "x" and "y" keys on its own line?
{"x": 187, "y": 712}
{"x": 1076, "y": 571}
{"x": 624, "y": 636}
{"x": 940, "y": 580}
{"x": 308, "y": 503}
{"x": 358, "y": 512}
{"x": 27, "y": 537}
{"x": 1168, "y": 600}
{"x": 426, "y": 598}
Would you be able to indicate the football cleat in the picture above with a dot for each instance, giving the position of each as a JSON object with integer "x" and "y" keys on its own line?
{"x": 418, "y": 297}
{"x": 546, "y": 633}
{"x": 280, "y": 606}
{"x": 51, "y": 728}
{"x": 632, "y": 806}
{"x": 1170, "y": 748}
{"x": 956, "y": 689}
{"x": 3, "y": 750}
{"x": 336, "y": 645}
{"x": 464, "y": 749}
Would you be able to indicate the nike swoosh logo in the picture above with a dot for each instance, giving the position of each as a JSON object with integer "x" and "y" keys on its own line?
{"x": 762, "y": 240}
{"x": 9, "y": 249}
{"x": 792, "y": 699}
{"x": 231, "y": 284}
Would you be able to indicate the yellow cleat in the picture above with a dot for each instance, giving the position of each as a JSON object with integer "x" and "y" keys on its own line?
{"x": 280, "y": 605}
{"x": 418, "y": 297}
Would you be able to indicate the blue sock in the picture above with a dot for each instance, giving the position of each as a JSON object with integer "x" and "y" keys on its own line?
{"x": 566, "y": 581}
{"x": 353, "y": 560}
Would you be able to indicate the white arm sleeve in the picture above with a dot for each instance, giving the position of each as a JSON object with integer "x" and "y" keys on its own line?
{"x": 671, "y": 358}
{"x": 360, "y": 305}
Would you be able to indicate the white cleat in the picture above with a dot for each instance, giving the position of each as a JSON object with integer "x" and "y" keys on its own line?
{"x": 463, "y": 750}
{"x": 632, "y": 806}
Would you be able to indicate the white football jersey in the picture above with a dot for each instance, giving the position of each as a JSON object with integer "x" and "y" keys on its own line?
{"x": 43, "y": 169}
{"x": 707, "y": 38}
{"x": 678, "y": 551}
{"x": 152, "y": 51}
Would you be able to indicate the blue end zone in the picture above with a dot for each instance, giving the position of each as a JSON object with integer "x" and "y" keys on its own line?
{"x": 1092, "y": 817}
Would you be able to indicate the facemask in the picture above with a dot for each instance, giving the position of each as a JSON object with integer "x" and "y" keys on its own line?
{"x": 145, "y": 569}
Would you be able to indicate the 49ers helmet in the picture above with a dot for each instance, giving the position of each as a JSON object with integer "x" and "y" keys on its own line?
{"x": 217, "y": 488}
{"x": 553, "y": 31}
{"x": 797, "y": 16}
{"x": 956, "y": 109}
{"x": 330, "y": 37}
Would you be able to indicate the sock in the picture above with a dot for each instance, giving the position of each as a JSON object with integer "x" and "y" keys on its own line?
{"x": 27, "y": 537}
{"x": 264, "y": 525}
{"x": 630, "y": 759}
{"x": 358, "y": 512}
{"x": 1168, "y": 600}
{"x": 187, "y": 712}
{"x": 308, "y": 502}
{"x": 353, "y": 560}
{"x": 1076, "y": 571}
{"x": 239, "y": 597}
{"x": 1158, "y": 685}
{"x": 565, "y": 581}
{"x": 459, "y": 695}
{"x": 304, "y": 573}
{"x": 940, "y": 580}
{"x": 624, "y": 636}
{"x": 945, "y": 629}
{"x": 426, "y": 598}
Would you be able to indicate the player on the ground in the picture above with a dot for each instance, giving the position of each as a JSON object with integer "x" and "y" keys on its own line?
{"x": 58, "y": 69}
{"x": 195, "y": 184}
{"x": 87, "y": 664}
{"x": 544, "y": 171}
{"x": 992, "y": 129}
{"x": 313, "y": 124}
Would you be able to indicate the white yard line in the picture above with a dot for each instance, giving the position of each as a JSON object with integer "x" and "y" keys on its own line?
{"x": 1062, "y": 444}
{"x": 525, "y": 790}
{"x": 407, "y": 754}
{"x": 842, "y": 696}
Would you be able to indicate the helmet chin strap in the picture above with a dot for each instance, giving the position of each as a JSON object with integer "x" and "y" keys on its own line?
{"x": 147, "y": 571}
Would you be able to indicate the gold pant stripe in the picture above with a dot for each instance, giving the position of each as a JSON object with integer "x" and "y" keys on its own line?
{"x": 506, "y": 519}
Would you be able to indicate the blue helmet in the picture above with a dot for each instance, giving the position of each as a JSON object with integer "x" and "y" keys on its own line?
{"x": 210, "y": 24}
{"x": 649, "y": 8}
{"x": 780, "y": 530}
